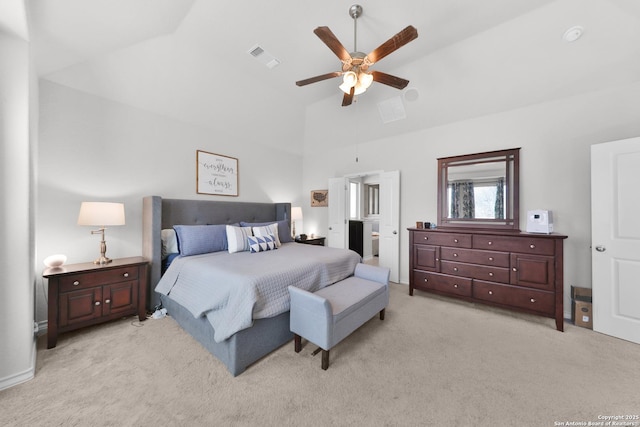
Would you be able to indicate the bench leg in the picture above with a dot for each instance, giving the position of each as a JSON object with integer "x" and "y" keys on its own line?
{"x": 325, "y": 359}
{"x": 382, "y": 314}
{"x": 297, "y": 343}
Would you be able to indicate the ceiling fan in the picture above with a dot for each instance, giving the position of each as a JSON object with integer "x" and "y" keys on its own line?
{"x": 355, "y": 65}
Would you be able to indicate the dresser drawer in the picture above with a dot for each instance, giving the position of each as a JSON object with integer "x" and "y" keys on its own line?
{"x": 495, "y": 274}
{"x": 460, "y": 286}
{"x": 97, "y": 277}
{"x": 497, "y": 259}
{"x": 522, "y": 244}
{"x": 539, "y": 301}
{"x": 457, "y": 240}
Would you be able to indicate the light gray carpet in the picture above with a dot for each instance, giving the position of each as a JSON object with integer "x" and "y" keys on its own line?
{"x": 431, "y": 362}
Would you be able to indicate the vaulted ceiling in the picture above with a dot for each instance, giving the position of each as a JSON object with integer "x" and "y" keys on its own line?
{"x": 189, "y": 60}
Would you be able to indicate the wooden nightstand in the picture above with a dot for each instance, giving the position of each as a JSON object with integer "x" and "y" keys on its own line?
{"x": 86, "y": 294}
{"x": 319, "y": 241}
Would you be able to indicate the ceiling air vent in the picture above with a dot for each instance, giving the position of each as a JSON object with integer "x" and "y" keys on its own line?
{"x": 391, "y": 110}
{"x": 263, "y": 56}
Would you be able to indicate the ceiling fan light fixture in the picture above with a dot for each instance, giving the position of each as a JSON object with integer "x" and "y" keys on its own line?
{"x": 365, "y": 79}
{"x": 350, "y": 78}
{"x": 355, "y": 79}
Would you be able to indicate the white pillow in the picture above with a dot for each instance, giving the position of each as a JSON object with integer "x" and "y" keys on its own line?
{"x": 169, "y": 242}
{"x": 266, "y": 231}
{"x": 237, "y": 238}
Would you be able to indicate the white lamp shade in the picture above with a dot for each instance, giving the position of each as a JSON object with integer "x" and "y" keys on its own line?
{"x": 296, "y": 213}
{"x": 101, "y": 213}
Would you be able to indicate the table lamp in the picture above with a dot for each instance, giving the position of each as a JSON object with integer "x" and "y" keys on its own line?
{"x": 296, "y": 215}
{"x": 101, "y": 214}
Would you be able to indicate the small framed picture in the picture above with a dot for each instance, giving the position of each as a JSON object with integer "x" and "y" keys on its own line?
{"x": 319, "y": 198}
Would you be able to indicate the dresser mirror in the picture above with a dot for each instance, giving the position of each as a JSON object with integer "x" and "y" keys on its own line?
{"x": 479, "y": 190}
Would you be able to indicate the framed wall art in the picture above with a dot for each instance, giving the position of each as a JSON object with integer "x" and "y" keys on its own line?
{"x": 319, "y": 198}
{"x": 216, "y": 174}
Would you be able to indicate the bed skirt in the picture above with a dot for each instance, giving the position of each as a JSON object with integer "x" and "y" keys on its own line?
{"x": 241, "y": 349}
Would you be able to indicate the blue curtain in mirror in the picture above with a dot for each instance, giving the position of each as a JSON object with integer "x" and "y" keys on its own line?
{"x": 499, "y": 206}
{"x": 462, "y": 198}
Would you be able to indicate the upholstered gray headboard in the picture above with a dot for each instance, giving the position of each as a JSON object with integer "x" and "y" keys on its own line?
{"x": 159, "y": 213}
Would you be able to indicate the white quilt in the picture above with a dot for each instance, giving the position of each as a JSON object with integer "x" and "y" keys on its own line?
{"x": 233, "y": 289}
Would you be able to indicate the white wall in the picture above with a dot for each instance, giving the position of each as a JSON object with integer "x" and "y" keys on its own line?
{"x": 92, "y": 149}
{"x": 555, "y": 165}
{"x": 17, "y": 342}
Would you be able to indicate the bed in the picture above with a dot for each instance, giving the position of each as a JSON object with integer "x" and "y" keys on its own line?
{"x": 251, "y": 319}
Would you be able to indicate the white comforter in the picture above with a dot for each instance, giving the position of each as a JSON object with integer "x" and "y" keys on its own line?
{"x": 233, "y": 289}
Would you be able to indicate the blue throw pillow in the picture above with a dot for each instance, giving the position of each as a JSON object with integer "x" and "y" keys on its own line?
{"x": 262, "y": 243}
{"x": 201, "y": 239}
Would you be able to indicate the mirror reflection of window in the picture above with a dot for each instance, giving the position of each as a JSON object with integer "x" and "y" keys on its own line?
{"x": 482, "y": 198}
{"x": 372, "y": 199}
{"x": 354, "y": 200}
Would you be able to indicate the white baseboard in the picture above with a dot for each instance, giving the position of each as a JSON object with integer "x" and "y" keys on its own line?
{"x": 24, "y": 376}
{"x": 42, "y": 327}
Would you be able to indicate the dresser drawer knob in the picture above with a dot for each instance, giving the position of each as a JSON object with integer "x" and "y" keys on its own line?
{"x": 532, "y": 246}
{"x": 490, "y": 274}
{"x": 455, "y": 240}
{"x": 126, "y": 274}
{"x": 490, "y": 292}
{"x": 515, "y": 269}
{"x": 489, "y": 243}
{"x": 455, "y": 285}
{"x": 490, "y": 258}
{"x": 97, "y": 303}
{"x": 455, "y": 255}
{"x": 426, "y": 280}
{"x": 76, "y": 283}
{"x": 107, "y": 301}
{"x": 426, "y": 238}
{"x": 533, "y": 300}
{"x": 455, "y": 268}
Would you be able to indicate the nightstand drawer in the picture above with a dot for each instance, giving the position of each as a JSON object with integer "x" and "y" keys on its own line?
{"x": 97, "y": 277}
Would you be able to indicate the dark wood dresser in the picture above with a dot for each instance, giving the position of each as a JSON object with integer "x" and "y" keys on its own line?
{"x": 86, "y": 294}
{"x": 518, "y": 271}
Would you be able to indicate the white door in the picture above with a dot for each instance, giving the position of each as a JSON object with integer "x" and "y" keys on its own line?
{"x": 389, "y": 240}
{"x": 615, "y": 233}
{"x": 337, "y": 235}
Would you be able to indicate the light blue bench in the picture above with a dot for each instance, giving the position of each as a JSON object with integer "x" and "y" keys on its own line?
{"x": 331, "y": 314}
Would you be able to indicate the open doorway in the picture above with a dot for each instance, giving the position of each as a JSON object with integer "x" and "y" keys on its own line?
{"x": 364, "y": 216}
{"x": 363, "y": 231}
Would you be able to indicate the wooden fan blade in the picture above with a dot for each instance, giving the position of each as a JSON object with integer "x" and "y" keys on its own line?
{"x": 389, "y": 80}
{"x": 348, "y": 98}
{"x": 394, "y": 43}
{"x": 325, "y": 34}
{"x": 318, "y": 78}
